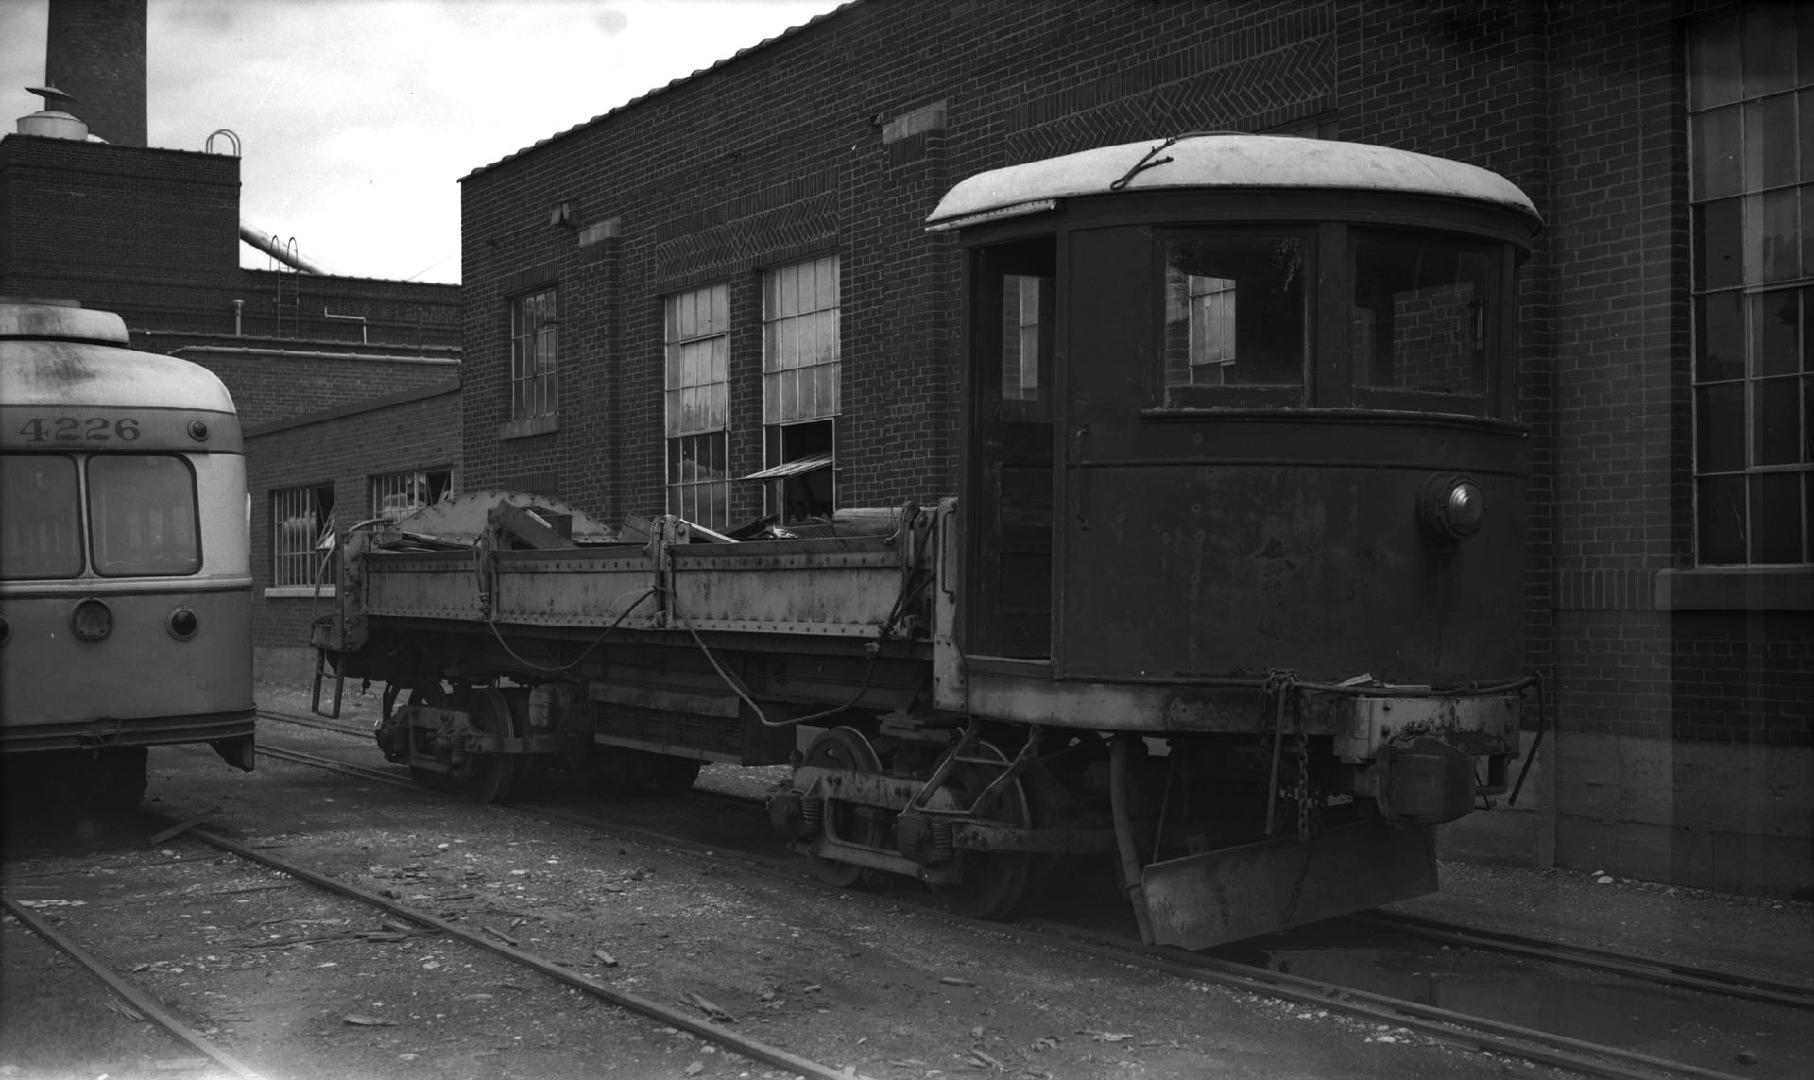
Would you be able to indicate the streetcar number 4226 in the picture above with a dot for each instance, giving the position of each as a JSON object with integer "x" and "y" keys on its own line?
{"x": 80, "y": 429}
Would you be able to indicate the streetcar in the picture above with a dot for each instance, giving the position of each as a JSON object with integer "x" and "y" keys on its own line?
{"x": 1228, "y": 603}
{"x": 125, "y": 582}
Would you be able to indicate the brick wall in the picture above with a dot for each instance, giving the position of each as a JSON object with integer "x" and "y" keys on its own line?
{"x": 413, "y": 429}
{"x": 275, "y": 380}
{"x": 840, "y": 137}
{"x": 149, "y": 233}
{"x": 153, "y": 235}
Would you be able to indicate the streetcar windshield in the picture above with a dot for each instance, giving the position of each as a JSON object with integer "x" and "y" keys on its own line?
{"x": 1235, "y": 313}
{"x": 41, "y": 529}
{"x": 1420, "y": 318}
{"x": 142, "y": 511}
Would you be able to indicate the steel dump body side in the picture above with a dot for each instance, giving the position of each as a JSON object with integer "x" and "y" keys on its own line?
{"x": 837, "y": 586}
{"x": 535, "y": 588}
{"x": 840, "y": 586}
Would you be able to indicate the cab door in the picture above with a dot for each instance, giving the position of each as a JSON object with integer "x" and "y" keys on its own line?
{"x": 1008, "y": 505}
{"x": 1111, "y": 584}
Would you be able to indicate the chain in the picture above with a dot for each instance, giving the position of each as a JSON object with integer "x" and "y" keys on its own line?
{"x": 1307, "y": 821}
{"x": 1301, "y": 792}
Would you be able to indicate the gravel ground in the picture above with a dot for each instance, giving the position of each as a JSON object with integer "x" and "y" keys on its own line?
{"x": 853, "y": 980}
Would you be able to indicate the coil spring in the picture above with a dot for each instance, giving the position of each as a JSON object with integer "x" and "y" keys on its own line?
{"x": 812, "y": 813}
{"x": 943, "y": 847}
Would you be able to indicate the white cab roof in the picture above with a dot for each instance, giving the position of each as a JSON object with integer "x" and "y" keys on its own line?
{"x": 1228, "y": 161}
{"x": 56, "y": 355}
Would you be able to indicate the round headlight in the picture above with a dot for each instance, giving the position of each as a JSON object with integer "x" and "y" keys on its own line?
{"x": 1451, "y": 508}
{"x": 182, "y": 624}
{"x": 91, "y": 620}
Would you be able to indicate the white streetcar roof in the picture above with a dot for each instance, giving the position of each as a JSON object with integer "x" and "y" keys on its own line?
{"x": 62, "y": 322}
{"x": 1224, "y": 161}
{"x": 55, "y": 355}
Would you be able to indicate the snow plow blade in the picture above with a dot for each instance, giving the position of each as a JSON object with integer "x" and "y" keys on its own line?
{"x": 1200, "y": 901}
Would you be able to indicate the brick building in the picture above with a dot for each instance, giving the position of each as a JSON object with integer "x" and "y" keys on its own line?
{"x": 622, "y": 278}
{"x": 375, "y": 457}
{"x": 154, "y": 234}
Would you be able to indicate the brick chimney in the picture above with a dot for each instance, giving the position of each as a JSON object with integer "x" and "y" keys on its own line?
{"x": 95, "y": 53}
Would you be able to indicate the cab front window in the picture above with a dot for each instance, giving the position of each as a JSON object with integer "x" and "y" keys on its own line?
{"x": 1420, "y": 329}
{"x": 41, "y": 532}
{"x": 142, "y": 511}
{"x": 1235, "y": 316}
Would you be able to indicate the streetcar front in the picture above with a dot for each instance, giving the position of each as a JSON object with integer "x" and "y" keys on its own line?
{"x": 1245, "y": 490}
{"x": 125, "y": 583}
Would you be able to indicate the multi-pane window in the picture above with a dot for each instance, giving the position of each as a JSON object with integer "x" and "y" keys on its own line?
{"x": 399, "y": 494}
{"x": 800, "y": 350}
{"x": 801, "y": 368}
{"x": 696, "y": 389}
{"x": 302, "y": 529}
{"x": 534, "y": 337}
{"x": 1751, "y": 183}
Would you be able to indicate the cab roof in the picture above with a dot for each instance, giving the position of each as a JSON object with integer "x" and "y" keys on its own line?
{"x": 60, "y": 354}
{"x": 59, "y": 320}
{"x": 1223, "y": 161}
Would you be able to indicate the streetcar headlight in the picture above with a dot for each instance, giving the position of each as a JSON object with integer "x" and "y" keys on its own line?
{"x": 91, "y": 620}
{"x": 182, "y": 624}
{"x": 1451, "y": 508}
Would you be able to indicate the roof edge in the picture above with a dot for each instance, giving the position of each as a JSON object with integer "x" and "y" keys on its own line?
{"x": 672, "y": 84}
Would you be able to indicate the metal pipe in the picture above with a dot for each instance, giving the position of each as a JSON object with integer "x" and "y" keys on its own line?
{"x": 1121, "y": 808}
{"x": 269, "y": 245}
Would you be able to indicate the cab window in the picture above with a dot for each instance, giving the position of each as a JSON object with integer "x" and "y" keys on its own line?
{"x": 1420, "y": 323}
{"x": 1235, "y": 316}
{"x": 41, "y": 530}
{"x": 142, "y": 511}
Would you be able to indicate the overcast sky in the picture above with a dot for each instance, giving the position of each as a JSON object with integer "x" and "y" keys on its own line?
{"x": 357, "y": 118}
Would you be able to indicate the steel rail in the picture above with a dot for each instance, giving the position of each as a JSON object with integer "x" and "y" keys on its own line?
{"x": 314, "y": 722}
{"x": 1530, "y": 1044}
{"x": 137, "y": 998}
{"x": 722, "y": 1036}
{"x": 1481, "y": 1033}
{"x": 1709, "y": 980}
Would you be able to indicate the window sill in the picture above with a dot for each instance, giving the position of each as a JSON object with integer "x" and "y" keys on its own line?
{"x": 1736, "y": 588}
{"x": 298, "y": 592}
{"x": 529, "y": 425}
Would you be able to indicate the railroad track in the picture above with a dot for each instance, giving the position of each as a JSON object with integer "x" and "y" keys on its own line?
{"x": 1703, "y": 979}
{"x": 398, "y": 920}
{"x": 1474, "y": 1032}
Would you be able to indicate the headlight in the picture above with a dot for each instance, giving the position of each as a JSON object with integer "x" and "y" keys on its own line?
{"x": 1451, "y": 508}
{"x": 182, "y": 624}
{"x": 91, "y": 620}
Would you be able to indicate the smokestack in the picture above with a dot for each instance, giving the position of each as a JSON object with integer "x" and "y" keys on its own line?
{"x": 95, "y": 54}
